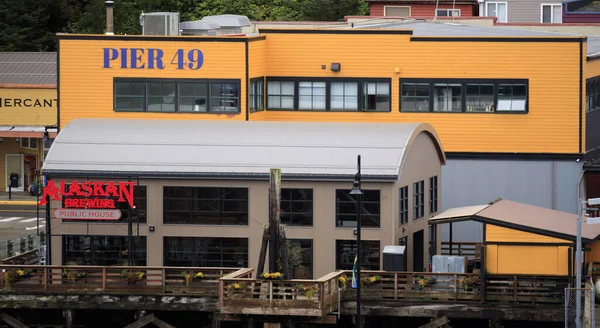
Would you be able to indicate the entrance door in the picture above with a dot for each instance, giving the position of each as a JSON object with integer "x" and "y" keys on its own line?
{"x": 29, "y": 168}
{"x": 14, "y": 164}
{"x": 418, "y": 265}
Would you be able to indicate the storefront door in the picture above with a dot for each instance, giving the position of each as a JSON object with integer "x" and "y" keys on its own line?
{"x": 14, "y": 165}
{"x": 29, "y": 168}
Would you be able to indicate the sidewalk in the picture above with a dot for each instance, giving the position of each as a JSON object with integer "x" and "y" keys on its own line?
{"x": 17, "y": 198}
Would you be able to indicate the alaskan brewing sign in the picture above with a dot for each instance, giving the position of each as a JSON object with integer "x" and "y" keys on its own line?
{"x": 92, "y": 200}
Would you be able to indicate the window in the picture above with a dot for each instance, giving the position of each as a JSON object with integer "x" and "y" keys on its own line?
{"x": 47, "y": 144}
{"x": 433, "y": 194}
{"x": 184, "y": 96}
{"x": 403, "y": 241}
{"x": 30, "y": 143}
{"x": 346, "y": 205}
{"x": 592, "y": 92}
{"x": 497, "y": 9}
{"x": 551, "y": 13}
{"x": 138, "y": 213}
{"x": 344, "y": 95}
{"x": 300, "y": 252}
{"x": 193, "y": 97}
{"x": 440, "y": 95}
{"x": 205, "y": 205}
{"x": 280, "y": 94}
{"x": 257, "y": 94}
{"x": 346, "y": 253}
{"x": 480, "y": 97}
{"x": 161, "y": 96}
{"x": 447, "y": 97}
{"x": 129, "y": 96}
{"x": 398, "y": 11}
{"x": 338, "y": 95}
{"x": 415, "y": 97}
{"x": 311, "y": 95}
{"x": 512, "y": 97}
{"x": 102, "y": 250}
{"x": 418, "y": 200}
{"x": 403, "y": 206}
{"x": 376, "y": 96}
{"x": 205, "y": 252}
{"x": 296, "y": 207}
{"x": 448, "y": 12}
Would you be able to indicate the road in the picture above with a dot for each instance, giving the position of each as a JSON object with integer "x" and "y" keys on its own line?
{"x": 18, "y": 221}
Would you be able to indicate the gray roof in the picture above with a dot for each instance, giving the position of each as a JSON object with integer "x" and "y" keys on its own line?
{"x": 28, "y": 68}
{"x": 421, "y": 28}
{"x": 232, "y": 149}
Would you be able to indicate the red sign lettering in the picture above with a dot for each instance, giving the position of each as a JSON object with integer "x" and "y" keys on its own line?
{"x": 123, "y": 191}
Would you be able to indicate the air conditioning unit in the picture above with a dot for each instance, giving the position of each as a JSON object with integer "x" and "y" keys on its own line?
{"x": 161, "y": 23}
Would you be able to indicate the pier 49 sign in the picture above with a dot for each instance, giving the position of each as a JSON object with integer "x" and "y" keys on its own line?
{"x": 88, "y": 200}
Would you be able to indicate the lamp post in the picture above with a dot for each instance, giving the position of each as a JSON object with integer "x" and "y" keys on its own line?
{"x": 356, "y": 191}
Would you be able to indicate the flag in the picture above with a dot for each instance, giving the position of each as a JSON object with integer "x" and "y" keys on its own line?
{"x": 354, "y": 282}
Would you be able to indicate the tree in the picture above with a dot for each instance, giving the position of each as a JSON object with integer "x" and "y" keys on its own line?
{"x": 23, "y": 25}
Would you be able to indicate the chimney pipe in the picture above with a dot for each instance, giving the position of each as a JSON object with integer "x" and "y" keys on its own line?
{"x": 109, "y": 16}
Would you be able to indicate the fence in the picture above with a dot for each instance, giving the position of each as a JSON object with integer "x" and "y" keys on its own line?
{"x": 13, "y": 247}
{"x": 587, "y": 305}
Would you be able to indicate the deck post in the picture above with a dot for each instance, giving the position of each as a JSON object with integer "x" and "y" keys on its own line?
{"x": 69, "y": 317}
{"x": 395, "y": 285}
{"x": 103, "y": 279}
{"x": 45, "y": 278}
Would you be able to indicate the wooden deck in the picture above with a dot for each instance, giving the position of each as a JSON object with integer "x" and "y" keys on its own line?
{"x": 233, "y": 291}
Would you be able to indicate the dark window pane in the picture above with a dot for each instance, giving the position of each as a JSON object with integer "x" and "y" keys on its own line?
{"x": 102, "y": 250}
{"x": 206, "y": 205}
{"x": 206, "y": 252}
{"x": 346, "y": 253}
{"x": 296, "y": 207}
{"x": 346, "y": 207}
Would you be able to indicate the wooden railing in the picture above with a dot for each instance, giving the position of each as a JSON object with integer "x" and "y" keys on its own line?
{"x": 418, "y": 286}
{"x": 133, "y": 280}
{"x": 525, "y": 289}
{"x": 279, "y": 297}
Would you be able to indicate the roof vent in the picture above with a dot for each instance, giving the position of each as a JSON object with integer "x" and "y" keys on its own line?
{"x": 205, "y": 28}
{"x": 230, "y": 24}
{"x": 160, "y": 23}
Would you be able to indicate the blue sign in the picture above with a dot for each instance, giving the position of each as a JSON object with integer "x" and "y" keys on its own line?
{"x": 44, "y": 180}
{"x": 152, "y": 58}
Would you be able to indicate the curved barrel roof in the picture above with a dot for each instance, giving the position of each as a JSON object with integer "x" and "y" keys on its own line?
{"x": 232, "y": 149}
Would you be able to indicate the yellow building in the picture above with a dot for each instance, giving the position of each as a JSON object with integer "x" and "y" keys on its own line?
{"x": 28, "y": 115}
{"x": 509, "y": 106}
{"x": 520, "y": 239}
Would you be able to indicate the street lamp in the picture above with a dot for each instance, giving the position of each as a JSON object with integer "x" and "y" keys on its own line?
{"x": 356, "y": 191}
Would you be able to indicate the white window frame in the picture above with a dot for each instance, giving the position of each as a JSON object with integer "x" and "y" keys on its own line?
{"x": 386, "y": 7}
{"x": 29, "y": 143}
{"x": 551, "y": 12}
{"x": 496, "y": 3}
{"x": 447, "y": 10}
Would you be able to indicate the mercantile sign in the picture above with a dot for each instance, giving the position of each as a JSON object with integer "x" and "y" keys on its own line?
{"x": 88, "y": 200}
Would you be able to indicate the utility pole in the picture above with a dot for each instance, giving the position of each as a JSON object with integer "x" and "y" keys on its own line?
{"x": 274, "y": 208}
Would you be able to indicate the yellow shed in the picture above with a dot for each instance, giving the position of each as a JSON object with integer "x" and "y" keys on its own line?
{"x": 521, "y": 239}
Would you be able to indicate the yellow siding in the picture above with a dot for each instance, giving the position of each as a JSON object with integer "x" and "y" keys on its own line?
{"x": 553, "y": 99}
{"x": 86, "y": 88}
{"x": 500, "y": 234}
{"x": 256, "y": 58}
{"x": 41, "y": 111}
{"x": 547, "y": 260}
{"x": 594, "y": 254}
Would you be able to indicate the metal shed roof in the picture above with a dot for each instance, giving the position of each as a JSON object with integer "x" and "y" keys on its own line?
{"x": 510, "y": 214}
{"x": 232, "y": 149}
{"x": 28, "y": 68}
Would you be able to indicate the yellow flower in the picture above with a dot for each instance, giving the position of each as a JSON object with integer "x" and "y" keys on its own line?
{"x": 20, "y": 273}
{"x": 237, "y": 286}
{"x": 266, "y": 275}
{"x": 199, "y": 275}
{"x": 276, "y": 275}
{"x": 372, "y": 279}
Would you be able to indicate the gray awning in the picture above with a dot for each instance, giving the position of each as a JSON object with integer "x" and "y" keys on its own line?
{"x": 227, "y": 149}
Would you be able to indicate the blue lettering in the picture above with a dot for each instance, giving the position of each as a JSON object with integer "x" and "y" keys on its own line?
{"x": 135, "y": 59}
{"x": 110, "y": 54}
{"x": 155, "y": 55}
{"x": 123, "y": 57}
